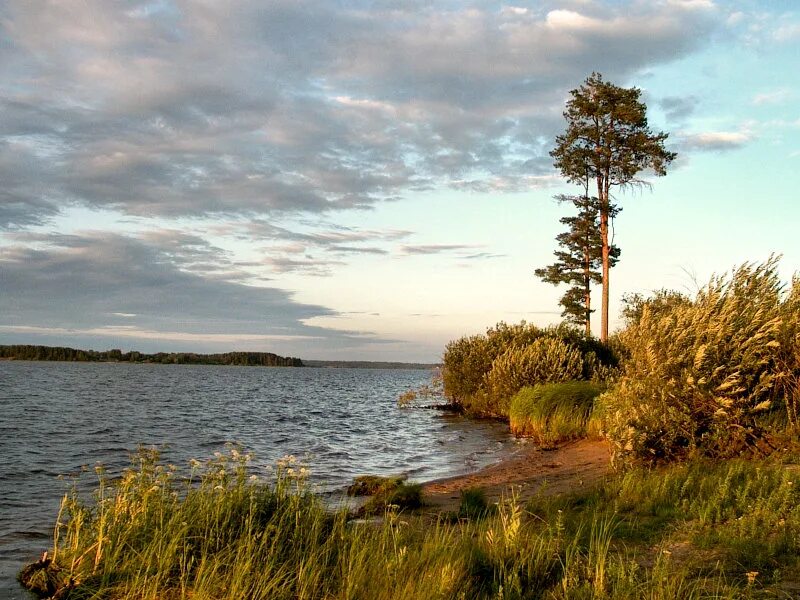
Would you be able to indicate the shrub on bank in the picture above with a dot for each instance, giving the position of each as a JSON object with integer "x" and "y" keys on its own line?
{"x": 546, "y": 360}
{"x": 700, "y": 372}
{"x": 396, "y": 495}
{"x": 481, "y": 373}
{"x": 553, "y": 413}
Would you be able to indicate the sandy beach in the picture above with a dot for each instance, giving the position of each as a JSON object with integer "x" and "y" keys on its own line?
{"x": 530, "y": 471}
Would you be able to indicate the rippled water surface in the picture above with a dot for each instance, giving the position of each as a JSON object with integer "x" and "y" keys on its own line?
{"x": 56, "y": 418}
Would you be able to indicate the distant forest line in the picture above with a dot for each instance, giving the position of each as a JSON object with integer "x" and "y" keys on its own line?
{"x": 247, "y": 359}
{"x": 58, "y": 353}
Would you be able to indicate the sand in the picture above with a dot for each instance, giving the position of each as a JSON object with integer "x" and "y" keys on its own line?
{"x": 530, "y": 471}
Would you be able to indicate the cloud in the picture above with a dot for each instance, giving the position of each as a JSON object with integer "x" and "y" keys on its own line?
{"x": 716, "y": 141}
{"x": 679, "y": 108}
{"x": 481, "y": 256}
{"x": 85, "y": 283}
{"x": 787, "y": 32}
{"x": 359, "y": 250}
{"x": 255, "y": 109}
{"x": 774, "y": 97}
{"x": 427, "y": 249}
{"x": 308, "y": 265}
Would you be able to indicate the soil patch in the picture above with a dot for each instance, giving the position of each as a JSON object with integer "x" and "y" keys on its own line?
{"x": 531, "y": 471}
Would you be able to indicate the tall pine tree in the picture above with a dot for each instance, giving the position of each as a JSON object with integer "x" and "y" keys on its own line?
{"x": 608, "y": 139}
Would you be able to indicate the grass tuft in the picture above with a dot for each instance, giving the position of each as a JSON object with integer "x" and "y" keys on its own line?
{"x": 553, "y": 413}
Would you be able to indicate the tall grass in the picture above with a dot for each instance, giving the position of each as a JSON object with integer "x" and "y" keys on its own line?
{"x": 220, "y": 534}
{"x": 700, "y": 373}
{"x": 552, "y": 413}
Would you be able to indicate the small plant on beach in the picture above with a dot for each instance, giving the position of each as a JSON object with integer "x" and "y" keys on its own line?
{"x": 473, "y": 504}
{"x": 400, "y": 496}
{"x": 429, "y": 392}
{"x": 368, "y": 485}
{"x": 553, "y": 413}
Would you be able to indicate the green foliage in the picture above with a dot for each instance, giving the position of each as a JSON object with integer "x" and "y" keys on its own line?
{"x": 608, "y": 141}
{"x": 553, "y": 413}
{"x": 579, "y": 260}
{"x": 216, "y": 533}
{"x": 473, "y": 504}
{"x": 744, "y": 514}
{"x": 482, "y": 372}
{"x": 395, "y": 494}
{"x": 58, "y": 353}
{"x": 699, "y": 372}
{"x": 608, "y": 136}
{"x": 545, "y": 360}
{"x": 367, "y": 485}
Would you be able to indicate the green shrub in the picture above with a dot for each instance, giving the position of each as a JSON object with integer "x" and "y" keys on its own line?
{"x": 368, "y": 485}
{"x": 545, "y": 360}
{"x": 699, "y": 372}
{"x": 473, "y": 504}
{"x": 398, "y": 494}
{"x": 552, "y": 413}
{"x": 480, "y": 373}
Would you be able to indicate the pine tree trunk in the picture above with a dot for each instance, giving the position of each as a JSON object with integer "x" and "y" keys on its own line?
{"x": 602, "y": 190}
{"x": 587, "y": 292}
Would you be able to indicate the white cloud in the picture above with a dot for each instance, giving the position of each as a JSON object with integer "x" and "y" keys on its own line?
{"x": 774, "y": 97}
{"x": 571, "y": 20}
{"x": 787, "y": 32}
{"x": 692, "y": 4}
{"x": 716, "y": 140}
{"x": 299, "y": 107}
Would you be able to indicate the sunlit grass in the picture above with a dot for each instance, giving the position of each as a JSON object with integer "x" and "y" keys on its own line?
{"x": 553, "y": 413}
{"x": 702, "y": 530}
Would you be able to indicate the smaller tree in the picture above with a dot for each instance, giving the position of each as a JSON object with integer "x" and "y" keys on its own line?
{"x": 579, "y": 261}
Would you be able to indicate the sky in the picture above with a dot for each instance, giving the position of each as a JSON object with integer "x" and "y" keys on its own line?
{"x": 366, "y": 180}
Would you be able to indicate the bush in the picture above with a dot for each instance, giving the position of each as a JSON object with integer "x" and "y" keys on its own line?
{"x": 473, "y": 504}
{"x": 545, "y": 360}
{"x": 699, "y": 372}
{"x": 553, "y": 413}
{"x": 398, "y": 494}
{"x": 480, "y": 373}
{"x": 369, "y": 485}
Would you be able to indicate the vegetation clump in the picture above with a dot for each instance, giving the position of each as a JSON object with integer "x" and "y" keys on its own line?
{"x": 368, "y": 485}
{"x": 553, "y": 413}
{"x": 703, "y": 376}
{"x": 481, "y": 373}
{"x": 397, "y": 495}
{"x": 473, "y": 504}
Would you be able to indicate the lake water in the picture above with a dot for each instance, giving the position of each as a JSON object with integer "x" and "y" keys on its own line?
{"x": 59, "y": 418}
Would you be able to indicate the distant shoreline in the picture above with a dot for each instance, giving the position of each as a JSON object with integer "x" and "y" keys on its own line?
{"x": 31, "y": 352}
{"x": 66, "y": 354}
